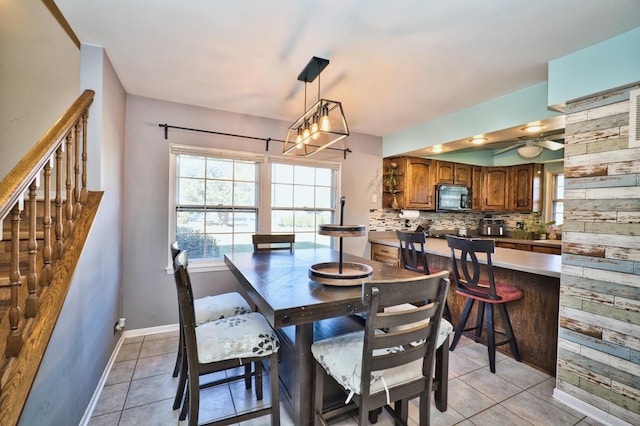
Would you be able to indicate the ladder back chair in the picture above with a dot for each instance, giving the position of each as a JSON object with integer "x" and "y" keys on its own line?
{"x": 208, "y": 308}
{"x": 396, "y": 365}
{"x": 225, "y": 344}
{"x": 481, "y": 287}
{"x": 268, "y": 242}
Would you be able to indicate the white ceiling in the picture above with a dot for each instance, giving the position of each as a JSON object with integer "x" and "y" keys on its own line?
{"x": 394, "y": 64}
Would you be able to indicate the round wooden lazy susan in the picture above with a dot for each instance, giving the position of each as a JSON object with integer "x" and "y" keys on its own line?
{"x": 340, "y": 273}
{"x": 341, "y": 230}
{"x": 331, "y": 273}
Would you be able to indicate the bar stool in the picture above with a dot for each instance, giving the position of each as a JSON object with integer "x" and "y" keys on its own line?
{"x": 464, "y": 257}
{"x": 414, "y": 258}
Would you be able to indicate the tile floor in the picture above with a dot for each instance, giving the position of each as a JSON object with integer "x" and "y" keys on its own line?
{"x": 140, "y": 389}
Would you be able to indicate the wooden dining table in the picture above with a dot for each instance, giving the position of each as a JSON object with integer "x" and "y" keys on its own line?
{"x": 302, "y": 310}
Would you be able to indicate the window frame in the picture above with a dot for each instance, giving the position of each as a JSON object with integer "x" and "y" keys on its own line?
{"x": 550, "y": 199}
{"x": 264, "y": 191}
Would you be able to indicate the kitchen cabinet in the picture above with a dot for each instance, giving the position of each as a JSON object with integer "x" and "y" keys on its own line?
{"x": 385, "y": 254}
{"x": 477, "y": 193}
{"x": 414, "y": 183}
{"x": 448, "y": 172}
{"x": 522, "y": 188}
{"x": 495, "y": 188}
{"x": 528, "y": 246}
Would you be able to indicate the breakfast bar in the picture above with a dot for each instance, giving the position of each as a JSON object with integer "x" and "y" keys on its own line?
{"x": 534, "y": 318}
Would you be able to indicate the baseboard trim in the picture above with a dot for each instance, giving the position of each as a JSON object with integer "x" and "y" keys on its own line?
{"x": 112, "y": 359}
{"x": 588, "y": 409}
{"x": 103, "y": 379}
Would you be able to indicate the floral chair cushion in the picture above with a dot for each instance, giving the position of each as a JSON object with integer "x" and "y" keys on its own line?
{"x": 224, "y": 305}
{"x": 240, "y": 336}
{"x": 341, "y": 358}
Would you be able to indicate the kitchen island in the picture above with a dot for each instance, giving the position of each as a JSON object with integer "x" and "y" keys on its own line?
{"x": 534, "y": 318}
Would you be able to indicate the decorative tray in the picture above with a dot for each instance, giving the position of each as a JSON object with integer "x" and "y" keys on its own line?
{"x": 341, "y": 230}
{"x": 329, "y": 273}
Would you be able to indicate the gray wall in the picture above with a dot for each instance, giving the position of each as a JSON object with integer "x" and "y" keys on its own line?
{"x": 150, "y": 298}
{"x": 39, "y": 74}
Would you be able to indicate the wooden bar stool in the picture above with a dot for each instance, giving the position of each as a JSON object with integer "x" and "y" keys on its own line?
{"x": 414, "y": 258}
{"x": 488, "y": 293}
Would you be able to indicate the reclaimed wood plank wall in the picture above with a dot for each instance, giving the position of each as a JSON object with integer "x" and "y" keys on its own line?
{"x": 599, "y": 325}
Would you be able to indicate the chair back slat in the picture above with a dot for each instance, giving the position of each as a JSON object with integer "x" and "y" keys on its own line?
{"x": 465, "y": 261}
{"x": 398, "y": 359}
{"x": 269, "y": 242}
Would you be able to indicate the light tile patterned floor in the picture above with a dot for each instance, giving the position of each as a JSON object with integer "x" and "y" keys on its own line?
{"x": 140, "y": 390}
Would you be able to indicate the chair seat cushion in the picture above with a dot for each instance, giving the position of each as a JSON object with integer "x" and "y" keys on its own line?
{"x": 341, "y": 358}
{"x": 224, "y": 305}
{"x": 444, "y": 330}
{"x": 507, "y": 293}
{"x": 239, "y": 336}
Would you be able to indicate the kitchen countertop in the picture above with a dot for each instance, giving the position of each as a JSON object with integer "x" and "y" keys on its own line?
{"x": 519, "y": 260}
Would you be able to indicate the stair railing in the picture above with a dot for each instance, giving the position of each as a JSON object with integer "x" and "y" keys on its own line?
{"x": 61, "y": 151}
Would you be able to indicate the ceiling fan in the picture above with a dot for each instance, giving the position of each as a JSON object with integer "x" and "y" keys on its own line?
{"x": 533, "y": 147}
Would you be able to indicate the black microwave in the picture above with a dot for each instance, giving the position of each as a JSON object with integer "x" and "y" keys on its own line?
{"x": 456, "y": 198}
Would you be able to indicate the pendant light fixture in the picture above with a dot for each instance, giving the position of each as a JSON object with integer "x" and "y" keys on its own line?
{"x": 320, "y": 126}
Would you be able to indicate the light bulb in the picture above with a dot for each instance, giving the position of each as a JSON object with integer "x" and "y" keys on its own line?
{"x": 325, "y": 124}
{"x": 305, "y": 132}
{"x": 314, "y": 128}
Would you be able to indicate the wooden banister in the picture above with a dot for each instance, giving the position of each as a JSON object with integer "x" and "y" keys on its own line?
{"x": 29, "y": 313}
{"x": 21, "y": 176}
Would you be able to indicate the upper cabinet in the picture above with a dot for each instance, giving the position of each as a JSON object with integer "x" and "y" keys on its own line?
{"x": 477, "y": 193}
{"x": 522, "y": 188}
{"x": 408, "y": 183}
{"x": 448, "y": 172}
{"x": 496, "y": 188}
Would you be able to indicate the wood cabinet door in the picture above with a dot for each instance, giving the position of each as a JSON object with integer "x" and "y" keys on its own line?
{"x": 522, "y": 188}
{"x": 462, "y": 174}
{"x": 496, "y": 189}
{"x": 477, "y": 187}
{"x": 445, "y": 172}
{"x": 419, "y": 184}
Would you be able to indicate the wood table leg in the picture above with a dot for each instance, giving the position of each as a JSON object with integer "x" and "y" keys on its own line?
{"x": 442, "y": 375}
{"x": 302, "y": 397}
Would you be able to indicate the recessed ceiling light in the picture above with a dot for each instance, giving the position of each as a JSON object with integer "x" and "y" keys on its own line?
{"x": 478, "y": 140}
{"x": 437, "y": 149}
{"x": 533, "y": 128}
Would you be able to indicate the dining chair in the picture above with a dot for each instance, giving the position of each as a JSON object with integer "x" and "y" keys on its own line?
{"x": 377, "y": 367}
{"x": 208, "y": 308}
{"x": 268, "y": 242}
{"x": 222, "y": 345}
{"x": 488, "y": 293}
{"x": 413, "y": 257}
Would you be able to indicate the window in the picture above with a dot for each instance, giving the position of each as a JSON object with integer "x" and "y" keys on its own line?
{"x": 557, "y": 198}
{"x": 302, "y": 197}
{"x": 220, "y": 198}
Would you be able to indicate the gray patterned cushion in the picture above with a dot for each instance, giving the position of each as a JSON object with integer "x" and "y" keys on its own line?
{"x": 240, "y": 336}
{"x": 224, "y": 305}
{"x": 341, "y": 357}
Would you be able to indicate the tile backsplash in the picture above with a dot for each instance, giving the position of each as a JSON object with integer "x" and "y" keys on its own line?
{"x": 390, "y": 220}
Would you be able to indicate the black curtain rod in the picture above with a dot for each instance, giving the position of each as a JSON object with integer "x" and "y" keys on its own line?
{"x": 267, "y": 140}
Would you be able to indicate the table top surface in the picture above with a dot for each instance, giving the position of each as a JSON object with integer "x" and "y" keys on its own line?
{"x": 278, "y": 282}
